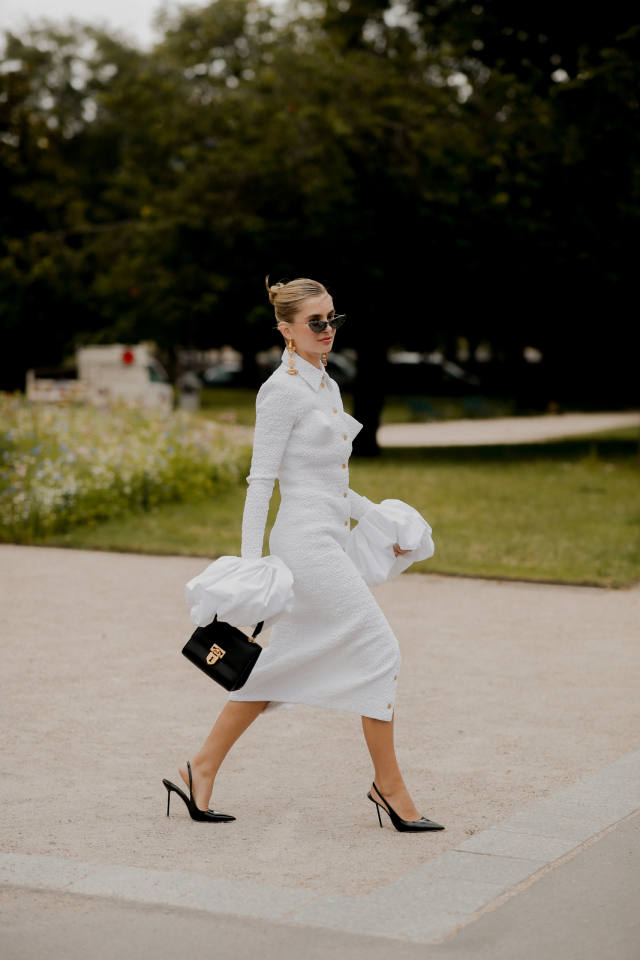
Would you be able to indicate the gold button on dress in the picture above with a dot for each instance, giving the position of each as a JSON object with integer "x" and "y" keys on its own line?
{"x": 334, "y": 648}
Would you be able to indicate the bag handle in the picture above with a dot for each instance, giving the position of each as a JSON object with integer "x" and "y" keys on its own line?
{"x": 255, "y": 632}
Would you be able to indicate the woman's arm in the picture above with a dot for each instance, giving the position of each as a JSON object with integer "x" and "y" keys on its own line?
{"x": 359, "y": 504}
{"x": 275, "y": 417}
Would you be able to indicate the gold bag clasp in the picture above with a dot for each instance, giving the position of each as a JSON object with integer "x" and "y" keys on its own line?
{"x": 215, "y": 653}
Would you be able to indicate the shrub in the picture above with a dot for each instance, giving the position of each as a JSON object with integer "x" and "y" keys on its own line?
{"x": 67, "y": 464}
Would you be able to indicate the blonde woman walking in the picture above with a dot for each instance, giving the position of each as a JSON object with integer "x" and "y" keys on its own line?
{"x": 331, "y": 646}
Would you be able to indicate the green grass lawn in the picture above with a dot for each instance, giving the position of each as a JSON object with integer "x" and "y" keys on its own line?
{"x": 237, "y": 405}
{"x": 566, "y": 511}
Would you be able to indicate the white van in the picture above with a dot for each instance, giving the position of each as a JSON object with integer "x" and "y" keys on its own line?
{"x": 108, "y": 372}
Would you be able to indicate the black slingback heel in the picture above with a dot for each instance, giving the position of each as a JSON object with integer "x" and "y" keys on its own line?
{"x": 195, "y": 812}
{"x": 398, "y": 822}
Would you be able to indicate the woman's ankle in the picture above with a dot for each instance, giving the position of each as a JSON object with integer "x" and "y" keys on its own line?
{"x": 389, "y": 785}
{"x": 203, "y": 767}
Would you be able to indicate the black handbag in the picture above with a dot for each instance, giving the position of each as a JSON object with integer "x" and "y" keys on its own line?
{"x": 223, "y": 652}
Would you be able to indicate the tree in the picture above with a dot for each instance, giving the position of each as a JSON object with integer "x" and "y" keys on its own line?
{"x": 438, "y": 187}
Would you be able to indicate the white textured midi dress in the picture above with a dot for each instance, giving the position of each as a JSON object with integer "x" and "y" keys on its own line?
{"x": 334, "y": 648}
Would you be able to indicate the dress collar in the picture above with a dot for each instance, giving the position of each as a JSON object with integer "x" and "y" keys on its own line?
{"x": 311, "y": 374}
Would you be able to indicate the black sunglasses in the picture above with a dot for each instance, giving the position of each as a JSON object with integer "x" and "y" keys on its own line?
{"x": 319, "y": 325}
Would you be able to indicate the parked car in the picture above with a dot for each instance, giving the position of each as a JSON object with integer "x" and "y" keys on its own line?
{"x": 226, "y": 374}
{"x": 339, "y": 368}
{"x": 229, "y": 373}
{"x": 415, "y": 373}
{"x": 105, "y": 372}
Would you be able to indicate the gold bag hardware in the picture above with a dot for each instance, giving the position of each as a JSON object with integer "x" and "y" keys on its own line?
{"x": 215, "y": 653}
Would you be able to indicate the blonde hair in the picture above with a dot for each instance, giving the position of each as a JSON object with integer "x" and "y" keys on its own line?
{"x": 286, "y": 298}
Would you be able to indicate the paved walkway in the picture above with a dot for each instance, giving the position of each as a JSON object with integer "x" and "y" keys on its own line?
{"x": 495, "y": 430}
{"x": 502, "y": 429}
{"x": 517, "y": 726}
{"x": 583, "y": 908}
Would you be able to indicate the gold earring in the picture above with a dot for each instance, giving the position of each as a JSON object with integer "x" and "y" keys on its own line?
{"x": 324, "y": 359}
{"x": 292, "y": 367}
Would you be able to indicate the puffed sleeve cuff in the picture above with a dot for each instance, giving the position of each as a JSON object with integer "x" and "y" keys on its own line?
{"x": 241, "y": 591}
{"x": 370, "y": 543}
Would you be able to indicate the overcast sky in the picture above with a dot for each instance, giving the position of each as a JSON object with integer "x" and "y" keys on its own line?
{"x": 133, "y": 17}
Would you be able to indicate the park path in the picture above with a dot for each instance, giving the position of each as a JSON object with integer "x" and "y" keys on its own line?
{"x": 494, "y": 430}
{"x": 511, "y": 695}
{"x": 498, "y": 430}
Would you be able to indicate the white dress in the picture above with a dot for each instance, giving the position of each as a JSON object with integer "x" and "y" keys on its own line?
{"x": 331, "y": 646}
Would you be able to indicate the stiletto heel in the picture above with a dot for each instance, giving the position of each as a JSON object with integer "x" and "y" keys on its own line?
{"x": 398, "y": 822}
{"x": 195, "y": 812}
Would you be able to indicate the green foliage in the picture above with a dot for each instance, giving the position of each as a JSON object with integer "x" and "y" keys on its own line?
{"x": 564, "y": 511}
{"x": 69, "y": 465}
{"x": 456, "y": 188}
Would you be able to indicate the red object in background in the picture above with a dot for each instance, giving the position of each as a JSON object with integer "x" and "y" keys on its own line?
{"x": 128, "y": 357}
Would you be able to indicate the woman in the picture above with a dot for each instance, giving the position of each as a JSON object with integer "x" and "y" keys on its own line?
{"x": 334, "y": 647}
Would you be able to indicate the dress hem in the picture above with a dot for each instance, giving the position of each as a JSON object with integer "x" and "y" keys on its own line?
{"x": 287, "y": 704}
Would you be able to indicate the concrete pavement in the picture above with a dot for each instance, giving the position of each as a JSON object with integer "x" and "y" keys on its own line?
{"x": 493, "y": 430}
{"x": 585, "y": 908}
{"x": 502, "y": 430}
{"x": 517, "y": 726}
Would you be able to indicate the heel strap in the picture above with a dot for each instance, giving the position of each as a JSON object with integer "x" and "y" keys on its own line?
{"x": 190, "y": 786}
{"x": 387, "y": 806}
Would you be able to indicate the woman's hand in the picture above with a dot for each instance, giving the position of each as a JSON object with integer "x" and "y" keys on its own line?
{"x": 398, "y": 551}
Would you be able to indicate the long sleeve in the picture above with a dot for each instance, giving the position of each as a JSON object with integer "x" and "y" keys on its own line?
{"x": 275, "y": 418}
{"x": 359, "y": 504}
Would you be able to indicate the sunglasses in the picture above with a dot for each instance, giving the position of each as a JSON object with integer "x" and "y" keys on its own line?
{"x": 318, "y": 326}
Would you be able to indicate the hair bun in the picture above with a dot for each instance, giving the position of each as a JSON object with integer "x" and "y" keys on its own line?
{"x": 287, "y": 297}
{"x": 273, "y": 290}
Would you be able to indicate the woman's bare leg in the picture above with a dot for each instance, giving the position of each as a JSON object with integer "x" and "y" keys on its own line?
{"x": 379, "y": 737}
{"x": 233, "y": 720}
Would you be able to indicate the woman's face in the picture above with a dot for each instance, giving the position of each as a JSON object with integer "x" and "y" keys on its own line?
{"x": 305, "y": 340}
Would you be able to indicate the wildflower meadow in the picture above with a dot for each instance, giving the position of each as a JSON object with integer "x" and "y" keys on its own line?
{"x": 67, "y": 464}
